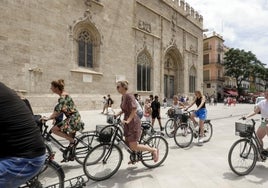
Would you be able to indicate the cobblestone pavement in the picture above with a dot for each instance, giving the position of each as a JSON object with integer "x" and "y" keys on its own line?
{"x": 195, "y": 166}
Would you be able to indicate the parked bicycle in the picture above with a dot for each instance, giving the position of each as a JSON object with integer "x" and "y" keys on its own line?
{"x": 84, "y": 143}
{"x": 185, "y": 130}
{"x": 104, "y": 160}
{"x": 246, "y": 151}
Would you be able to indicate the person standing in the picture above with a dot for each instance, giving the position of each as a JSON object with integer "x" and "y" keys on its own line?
{"x": 155, "y": 105}
{"x": 147, "y": 110}
{"x": 131, "y": 122}
{"x": 21, "y": 144}
{"x": 200, "y": 112}
{"x": 105, "y": 105}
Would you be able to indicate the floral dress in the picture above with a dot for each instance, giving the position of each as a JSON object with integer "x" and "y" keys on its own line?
{"x": 72, "y": 122}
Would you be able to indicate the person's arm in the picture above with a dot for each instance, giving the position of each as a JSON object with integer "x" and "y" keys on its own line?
{"x": 52, "y": 116}
{"x": 256, "y": 111}
{"x": 190, "y": 105}
{"x": 131, "y": 116}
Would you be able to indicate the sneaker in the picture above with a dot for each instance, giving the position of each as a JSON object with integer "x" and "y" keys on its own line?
{"x": 200, "y": 141}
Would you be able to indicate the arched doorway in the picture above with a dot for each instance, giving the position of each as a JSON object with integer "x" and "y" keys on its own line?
{"x": 173, "y": 75}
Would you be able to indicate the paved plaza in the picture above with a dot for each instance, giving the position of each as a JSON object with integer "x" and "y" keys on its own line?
{"x": 196, "y": 166}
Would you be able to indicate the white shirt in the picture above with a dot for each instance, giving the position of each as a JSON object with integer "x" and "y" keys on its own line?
{"x": 263, "y": 105}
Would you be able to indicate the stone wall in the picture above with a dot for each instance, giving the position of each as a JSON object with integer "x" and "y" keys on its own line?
{"x": 38, "y": 45}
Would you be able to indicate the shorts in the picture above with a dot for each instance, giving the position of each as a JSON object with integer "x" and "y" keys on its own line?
{"x": 201, "y": 114}
{"x": 263, "y": 123}
{"x": 155, "y": 115}
{"x": 15, "y": 171}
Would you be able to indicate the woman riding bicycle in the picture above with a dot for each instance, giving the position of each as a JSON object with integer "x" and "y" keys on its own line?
{"x": 132, "y": 123}
{"x": 72, "y": 123}
{"x": 262, "y": 108}
{"x": 200, "y": 112}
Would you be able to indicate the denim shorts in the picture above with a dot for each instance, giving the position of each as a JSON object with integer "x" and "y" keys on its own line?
{"x": 201, "y": 114}
{"x": 15, "y": 171}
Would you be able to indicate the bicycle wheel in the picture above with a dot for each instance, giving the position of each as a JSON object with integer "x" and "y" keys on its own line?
{"x": 170, "y": 127}
{"x": 157, "y": 142}
{"x": 84, "y": 145}
{"x": 242, "y": 157}
{"x": 208, "y": 131}
{"x": 183, "y": 136}
{"x": 51, "y": 175}
{"x": 102, "y": 162}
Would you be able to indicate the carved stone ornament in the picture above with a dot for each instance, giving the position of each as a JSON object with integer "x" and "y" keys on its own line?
{"x": 144, "y": 26}
{"x": 88, "y": 2}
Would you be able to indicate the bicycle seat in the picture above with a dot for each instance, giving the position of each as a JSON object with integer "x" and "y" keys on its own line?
{"x": 207, "y": 121}
{"x": 145, "y": 126}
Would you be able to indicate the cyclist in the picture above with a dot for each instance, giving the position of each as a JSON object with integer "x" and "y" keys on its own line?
{"x": 72, "y": 123}
{"x": 132, "y": 123}
{"x": 200, "y": 112}
{"x": 21, "y": 144}
{"x": 261, "y": 107}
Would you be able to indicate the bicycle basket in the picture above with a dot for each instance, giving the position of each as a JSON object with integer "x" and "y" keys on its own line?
{"x": 243, "y": 129}
{"x": 105, "y": 135}
{"x": 110, "y": 119}
{"x": 184, "y": 118}
{"x": 171, "y": 113}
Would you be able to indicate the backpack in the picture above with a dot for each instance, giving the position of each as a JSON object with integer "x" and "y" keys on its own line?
{"x": 139, "y": 109}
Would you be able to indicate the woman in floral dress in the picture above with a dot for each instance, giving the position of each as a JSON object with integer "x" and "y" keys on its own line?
{"x": 72, "y": 123}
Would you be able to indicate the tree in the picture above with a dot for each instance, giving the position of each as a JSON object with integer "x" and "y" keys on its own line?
{"x": 242, "y": 66}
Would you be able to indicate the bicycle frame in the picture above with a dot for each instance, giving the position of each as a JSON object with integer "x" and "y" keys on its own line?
{"x": 255, "y": 140}
{"x": 47, "y": 135}
{"x": 122, "y": 142}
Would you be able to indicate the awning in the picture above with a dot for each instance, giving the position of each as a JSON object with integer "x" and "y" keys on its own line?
{"x": 232, "y": 93}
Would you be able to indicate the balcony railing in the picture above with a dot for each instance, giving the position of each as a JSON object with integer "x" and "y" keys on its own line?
{"x": 218, "y": 79}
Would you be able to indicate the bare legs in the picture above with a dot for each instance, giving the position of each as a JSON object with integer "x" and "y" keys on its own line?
{"x": 57, "y": 131}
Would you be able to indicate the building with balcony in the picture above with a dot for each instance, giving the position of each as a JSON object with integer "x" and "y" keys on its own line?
{"x": 213, "y": 70}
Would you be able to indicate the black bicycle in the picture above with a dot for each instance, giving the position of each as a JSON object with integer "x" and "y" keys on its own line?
{"x": 185, "y": 131}
{"x": 104, "y": 160}
{"x": 51, "y": 175}
{"x": 246, "y": 151}
{"x": 84, "y": 143}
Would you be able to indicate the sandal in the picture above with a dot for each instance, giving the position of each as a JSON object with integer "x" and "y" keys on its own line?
{"x": 156, "y": 155}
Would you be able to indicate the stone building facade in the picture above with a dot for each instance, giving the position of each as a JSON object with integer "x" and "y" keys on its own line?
{"x": 154, "y": 44}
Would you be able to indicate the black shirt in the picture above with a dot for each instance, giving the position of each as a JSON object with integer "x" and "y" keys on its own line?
{"x": 19, "y": 134}
{"x": 198, "y": 102}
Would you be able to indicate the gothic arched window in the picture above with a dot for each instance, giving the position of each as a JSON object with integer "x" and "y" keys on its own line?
{"x": 85, "y": 50}
{"x": 192, "y": 80}
{"x": 143, "y": 72}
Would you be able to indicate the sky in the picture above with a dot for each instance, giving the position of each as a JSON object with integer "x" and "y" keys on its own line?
{"x": 242, "y": 23}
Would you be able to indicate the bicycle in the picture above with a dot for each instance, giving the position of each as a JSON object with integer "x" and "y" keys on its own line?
{"x": 51, "y": 175}
{"x": 245, "y": 152}
{"x": 104, "y": 160}
{"x": 172, "y": 123}
{"x": 84, "y": 143}
{"x": 186, "y": 130}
